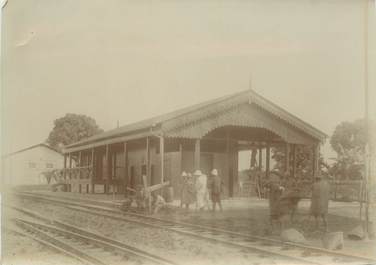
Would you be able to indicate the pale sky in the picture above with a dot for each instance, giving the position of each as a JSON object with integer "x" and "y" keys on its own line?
{"x": 130, "y": 60}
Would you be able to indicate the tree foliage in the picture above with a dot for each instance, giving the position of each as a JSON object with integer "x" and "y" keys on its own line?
{"x": 72, "y": 128}
{"x": 348, "y": 141}
{"x": 349, "y": 136}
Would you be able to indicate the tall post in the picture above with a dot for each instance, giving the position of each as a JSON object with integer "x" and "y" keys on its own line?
{"x": 107, "y": 171}
{"x": 368, "y": 162}
{"x": 92, "y": 171}
{"x": 260, "y": 159}
{"x": 230, "y": 163}
{"x": 197, "y": 154}
{"x": 181, "y": 157}
{"x": 147, "y": 162}
{"x": 113, "y": 174}
{"x": 92, "y": 161}
{"x": 161, "y": 152}
{"x": 114, "y": 165}
{"x": 267, "y": 161}
{"x": 70, "y": 172}
{"x": 316, "y": 156}
{"x": 287, "y": 159}
{"x": 294, "y": 151}
{"x": 65, "y": 166}
{"x": 125, "y": 151}
{"x": 70, "y": 165}
{"x": 79, "y": 164}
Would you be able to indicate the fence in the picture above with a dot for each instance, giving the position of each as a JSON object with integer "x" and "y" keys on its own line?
{"x": 341, "y": 190}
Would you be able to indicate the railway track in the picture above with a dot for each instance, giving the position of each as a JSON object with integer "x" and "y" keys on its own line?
{"x": 296, "y": 253}
{"x": 87, "y": 247}
{"x": 48, "y": 244}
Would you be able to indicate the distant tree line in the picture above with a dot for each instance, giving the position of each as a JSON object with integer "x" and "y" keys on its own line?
{"x": 348, "y": 141}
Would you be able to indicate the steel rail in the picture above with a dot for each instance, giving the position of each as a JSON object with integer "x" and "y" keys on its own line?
{"x": 265, "y": 245}
{"x": 69, "y": 231}
{"x": 47, "y": 243}
{"x": 60, "y": 245}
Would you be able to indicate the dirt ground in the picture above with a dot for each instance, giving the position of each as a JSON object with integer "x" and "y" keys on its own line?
{"x": 252, "y": 217}
{"x": 179, "y": 248}
{"x": 244, "y": 215}
{"x": 20, "y": 250}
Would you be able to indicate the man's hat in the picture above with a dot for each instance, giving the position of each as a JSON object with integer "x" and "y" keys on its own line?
{"x": 214, "y": 172}
{"x": 183, "y": 174}
{"x": 197, "y": 173}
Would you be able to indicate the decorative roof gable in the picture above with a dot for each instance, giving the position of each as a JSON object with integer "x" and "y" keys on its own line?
{"x": 169, "y": 123}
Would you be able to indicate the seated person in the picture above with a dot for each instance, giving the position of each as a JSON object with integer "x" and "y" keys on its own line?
{"x": 158, "y": 203}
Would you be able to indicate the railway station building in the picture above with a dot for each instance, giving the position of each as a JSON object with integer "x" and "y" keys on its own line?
{"x": 203, "y": 136}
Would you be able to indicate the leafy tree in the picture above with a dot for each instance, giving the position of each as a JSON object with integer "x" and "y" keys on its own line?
{"x": 72, "y": 128}
{"x": 348, "y": 137}
{"x": 348, "y": 141}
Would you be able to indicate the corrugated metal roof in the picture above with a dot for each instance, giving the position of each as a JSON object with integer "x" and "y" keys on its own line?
{"x": 240, "y": 97}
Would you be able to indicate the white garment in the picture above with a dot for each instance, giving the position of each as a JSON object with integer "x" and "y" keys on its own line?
{"x": 202, "y": 193}
{"x": 159, "y": 203}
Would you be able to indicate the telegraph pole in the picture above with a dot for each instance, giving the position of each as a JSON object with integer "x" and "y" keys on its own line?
{"x": 367, "y": 179}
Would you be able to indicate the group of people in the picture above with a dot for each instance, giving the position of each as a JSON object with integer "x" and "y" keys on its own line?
{"x": 198, "y": 189}
{"x": 284, "y": 196}
{"x": 144, "y": 199}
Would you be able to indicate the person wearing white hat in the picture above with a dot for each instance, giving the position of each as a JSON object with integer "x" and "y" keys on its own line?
{"x": 216, "y": 189}
{"x": 202, "y": 194}
{"x": 187, "y": 190}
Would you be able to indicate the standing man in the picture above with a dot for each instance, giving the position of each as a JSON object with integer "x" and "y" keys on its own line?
{"x": 320, "y": 200}
{"x": 275, "y": 192}
{"x": 188, "y": 190}
{"x": 201, "y": 190}
{"x": 216, "y": 189}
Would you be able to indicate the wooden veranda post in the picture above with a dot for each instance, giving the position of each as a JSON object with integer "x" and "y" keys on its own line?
{"x": 315, "y": 160}
{"x": 113, "y": 174}
{"x": 65, "y": 166}
{"x": 125, "y": 151}
{"x": 267, "y": 161}
{"x": 107, "y": 171}
{"x": 181, "y": 157}
{"x": 161, "y": 151}
{"x": 197, "y": 154}
{"x": 92, "y": 171}
{"x": 79, "y": 164}
{"x": 294, "y": 151}
{"x": 147, "y": 162}
{"x": 229, "y": 155}
{"x": 70, "y": 165}
{"x": 260, "y": 159}
{"x": 70, "y": 172}
{"x": 287, "y": 159}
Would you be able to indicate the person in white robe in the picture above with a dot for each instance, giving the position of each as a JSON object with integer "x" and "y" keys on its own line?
{"x": 202, "y": 193}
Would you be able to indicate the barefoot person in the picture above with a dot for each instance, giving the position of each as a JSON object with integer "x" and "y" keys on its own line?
{"x": 320, "y": 200}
